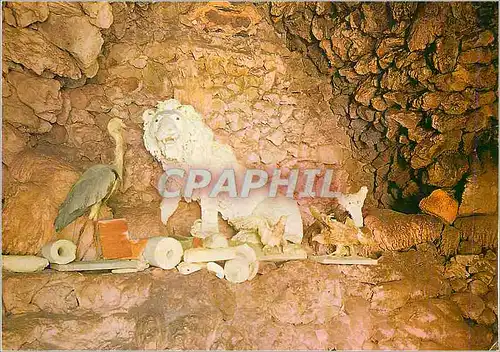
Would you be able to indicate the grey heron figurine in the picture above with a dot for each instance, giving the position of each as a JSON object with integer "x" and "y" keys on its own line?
{"x": 94, "y": 187}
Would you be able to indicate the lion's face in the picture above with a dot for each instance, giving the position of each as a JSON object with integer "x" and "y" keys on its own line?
{"x": 174, "y": 131}
{"x": 169, "y": 127}
{"x": 169, "y": 133}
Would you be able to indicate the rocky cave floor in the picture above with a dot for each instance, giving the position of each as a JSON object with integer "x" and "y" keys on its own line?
{"x": 411, "y": 300}
{"x": 398, "y": 97}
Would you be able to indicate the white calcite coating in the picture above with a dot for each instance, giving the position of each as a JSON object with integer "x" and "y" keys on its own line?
{"x": 59, "y": 252}
{"x": 163, "y": 252}
{"x": 353, "y": 203}
{"x": 23, "y": 263}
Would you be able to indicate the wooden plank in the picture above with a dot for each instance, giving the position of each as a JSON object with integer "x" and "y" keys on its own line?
{"x": 279, "y": 257}
{"x": 100, "y": 265}
{"x": 115, "y": 240}
{"x": 329, "y": 259}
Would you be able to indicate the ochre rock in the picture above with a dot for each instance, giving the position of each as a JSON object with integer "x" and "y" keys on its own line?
{"x": 15, "y": 112}
{"x": 42, "y": 184}
{"x": 450, "y": 240}
{"x": 447, "y": 170}
{"x": 40, "y": 94}
{"x": 429, "y": 24}
{"x": 115, "y": 241}
{"x": 248, "y": 84}
{"x": 13, "y": 142}
{"x": 179, "y": 224}
{"x": 300, "y": 305}
{"x": 29, "y": 48}
{"x": 469, "y": 247}
{"x": 470, "y": 304}
{"x": 27, "y": 13}
{"x": 439, "y": 203}
{"x": 439, "y": 320}
{"x": 143, "y": 221}
{"x": 391, "y": 295}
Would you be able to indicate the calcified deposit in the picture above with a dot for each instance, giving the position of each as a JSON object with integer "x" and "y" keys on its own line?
{"x": 398, "y": 97}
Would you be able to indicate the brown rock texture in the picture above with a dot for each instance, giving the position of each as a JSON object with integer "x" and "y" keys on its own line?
{"x": 115, "y": 240}
{"x": 482, "y": 230}
{"x": 399, "y": 97}
{"x": 408, "y": 89}
{"x": 440, "y": 204}
{"x": 245, "y": 85}
{"x": 450, "y": 241}
{"x": 29, "y": 48}
{"x": 298, "y": 305}
{"x": 481, "y": 192}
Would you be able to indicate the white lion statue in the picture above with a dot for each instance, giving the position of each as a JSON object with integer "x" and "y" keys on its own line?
{"x": 177, "y": 137}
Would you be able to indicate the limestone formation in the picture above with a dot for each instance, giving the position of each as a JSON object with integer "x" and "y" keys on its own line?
{"x": 481, "y": 192}
{"x": 23, "y": 263}
{"x": 428, "y": 100}
{"x": 41, "y": 183}
{"x": 479, "y": 229}
{"x": 40, "y": 94}
{"x": 13, "y": 142}
{"x": 176, "y": 135}
{"x": 67, "y": 33}
{"x": 100, "y": 13}
{"x": 395, "y": 231}
{"x": 28, "y": 12}
{"x": 447, "y": 170}
{"x": 450, "y": 241}
{"x": 61, "y": 39}
{"x": 28, "y": 48}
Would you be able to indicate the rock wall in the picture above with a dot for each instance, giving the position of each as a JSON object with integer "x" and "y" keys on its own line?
{"x": 399, "y": 97}
{"x": 299, "y": 305}
{"x": 415, "y": 84}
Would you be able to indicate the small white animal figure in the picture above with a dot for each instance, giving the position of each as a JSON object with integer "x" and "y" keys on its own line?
{"x": 353, "y": 203}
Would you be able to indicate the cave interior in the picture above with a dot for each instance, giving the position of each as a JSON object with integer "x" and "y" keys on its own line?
{"x": 398, "y": 97}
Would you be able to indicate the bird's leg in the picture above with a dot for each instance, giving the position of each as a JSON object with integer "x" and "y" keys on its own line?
{"x": 82, "y": 230}
{"x": 94, "y": 216}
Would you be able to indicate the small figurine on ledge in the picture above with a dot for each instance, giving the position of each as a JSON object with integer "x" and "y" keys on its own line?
{"x": 337, "y": 242}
